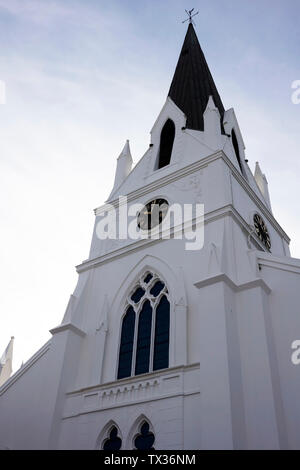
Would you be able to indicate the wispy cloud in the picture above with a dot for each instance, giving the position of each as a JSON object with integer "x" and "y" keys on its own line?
{"x": 41, "y": 12}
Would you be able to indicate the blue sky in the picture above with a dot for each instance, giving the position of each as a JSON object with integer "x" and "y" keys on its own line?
{"x": 83, "y": 76}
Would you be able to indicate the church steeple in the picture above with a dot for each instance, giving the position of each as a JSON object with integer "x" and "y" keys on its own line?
{"x": 192, "y": 84}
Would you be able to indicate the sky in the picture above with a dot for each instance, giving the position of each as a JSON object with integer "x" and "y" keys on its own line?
{"x": 81, "y": 77}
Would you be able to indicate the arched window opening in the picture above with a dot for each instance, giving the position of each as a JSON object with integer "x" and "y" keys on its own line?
{"x": 166, "y": 144}
{"x": 144, "y": 344}
{"x": 162, "y": 328}
{"x": 126, "y": 346}
{"x": 236, "y": 149}
{"x": 138, "y": 295}
{"x": 113, "y": 442}
{"x": 145, "y": 439}
{"x": 157, "y": 288}
{"x": 144, "y": 339}
{"x": 148, "y": 278}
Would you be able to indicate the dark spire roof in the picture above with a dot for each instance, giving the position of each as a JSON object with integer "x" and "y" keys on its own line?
{"x": 192, "y": 83}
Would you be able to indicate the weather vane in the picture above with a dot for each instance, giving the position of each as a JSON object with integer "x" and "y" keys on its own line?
{"x": 190, "y": 15}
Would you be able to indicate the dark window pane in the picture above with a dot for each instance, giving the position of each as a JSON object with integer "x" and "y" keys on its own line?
{"x": 145, "y": 440}
{"x": 144, "y": 339}
{"x": 161, "y": 340}
{"x": 126, "y": 346}
{"x": 166, "y": 143}
{"x": 157, "y": 288}
{"x": 236, "y": 149}
{"x": 137, "y": 295}
{"x": 114, "y": 442}
{"x": 148, "y": 278}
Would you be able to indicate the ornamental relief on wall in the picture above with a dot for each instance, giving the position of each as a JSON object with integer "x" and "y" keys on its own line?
{"x": 191, "y": 183}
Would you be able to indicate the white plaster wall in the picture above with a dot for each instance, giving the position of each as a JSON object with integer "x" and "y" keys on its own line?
{"x": 24, "y": 421}
{"x": 284, "y": 328}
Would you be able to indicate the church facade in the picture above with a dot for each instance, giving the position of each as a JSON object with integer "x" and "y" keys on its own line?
{"x": 162, "y": 346}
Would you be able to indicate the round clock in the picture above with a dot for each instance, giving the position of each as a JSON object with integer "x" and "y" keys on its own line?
{"x": 262, "y": 231}
{"x": 152, "y": 214}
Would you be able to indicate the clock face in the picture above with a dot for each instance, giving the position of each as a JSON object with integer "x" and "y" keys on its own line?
{"x": 152, "y": 214}
{"x": 262, "y": 231}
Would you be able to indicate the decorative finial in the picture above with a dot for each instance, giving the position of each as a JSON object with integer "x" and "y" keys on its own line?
{"x": 190, "y": 16}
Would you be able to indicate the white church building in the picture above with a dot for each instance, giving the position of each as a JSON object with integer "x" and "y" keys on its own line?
{"x": 162, "y": 346}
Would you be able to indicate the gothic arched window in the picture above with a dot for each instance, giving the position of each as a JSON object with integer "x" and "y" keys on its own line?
{"x": 112, "y": 442}
{"x": 236, "y": 149}
{"x": 145, "y": 439}
{"x": 126, "y": 347}
{"x": 145, "y": 333}
{"x": 166, "y": 144}
{"x": 143, "y": 339}
{"x": 161, "y": 337}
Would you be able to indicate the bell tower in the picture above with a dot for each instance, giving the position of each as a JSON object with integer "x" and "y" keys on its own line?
{"x": 162, "y": 346}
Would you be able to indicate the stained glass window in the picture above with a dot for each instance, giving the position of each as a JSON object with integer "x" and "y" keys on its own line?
{"x": 126, "y": 346}
{"x": 145, "y": 337}
{"x": 148, "y": 278}
{"x": 157, "y": 288}
{"x": 161, "y": 338}
{"x": 137, "y": 295}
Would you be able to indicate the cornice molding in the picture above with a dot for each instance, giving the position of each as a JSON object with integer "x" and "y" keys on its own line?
{"x": 193, "y": 167}
{"x": 222, "y": 277}
{"x": 68, "y": 327}
{"x": 134, "y": 379}
{"x": 139, "y": 244}
{"x": 284, "y": 264}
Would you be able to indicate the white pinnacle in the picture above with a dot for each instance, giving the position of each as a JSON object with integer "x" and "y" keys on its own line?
{"x": 6, "y": 362}
{"x": 124, "y": 165}
{"x": 126, "y": 151}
